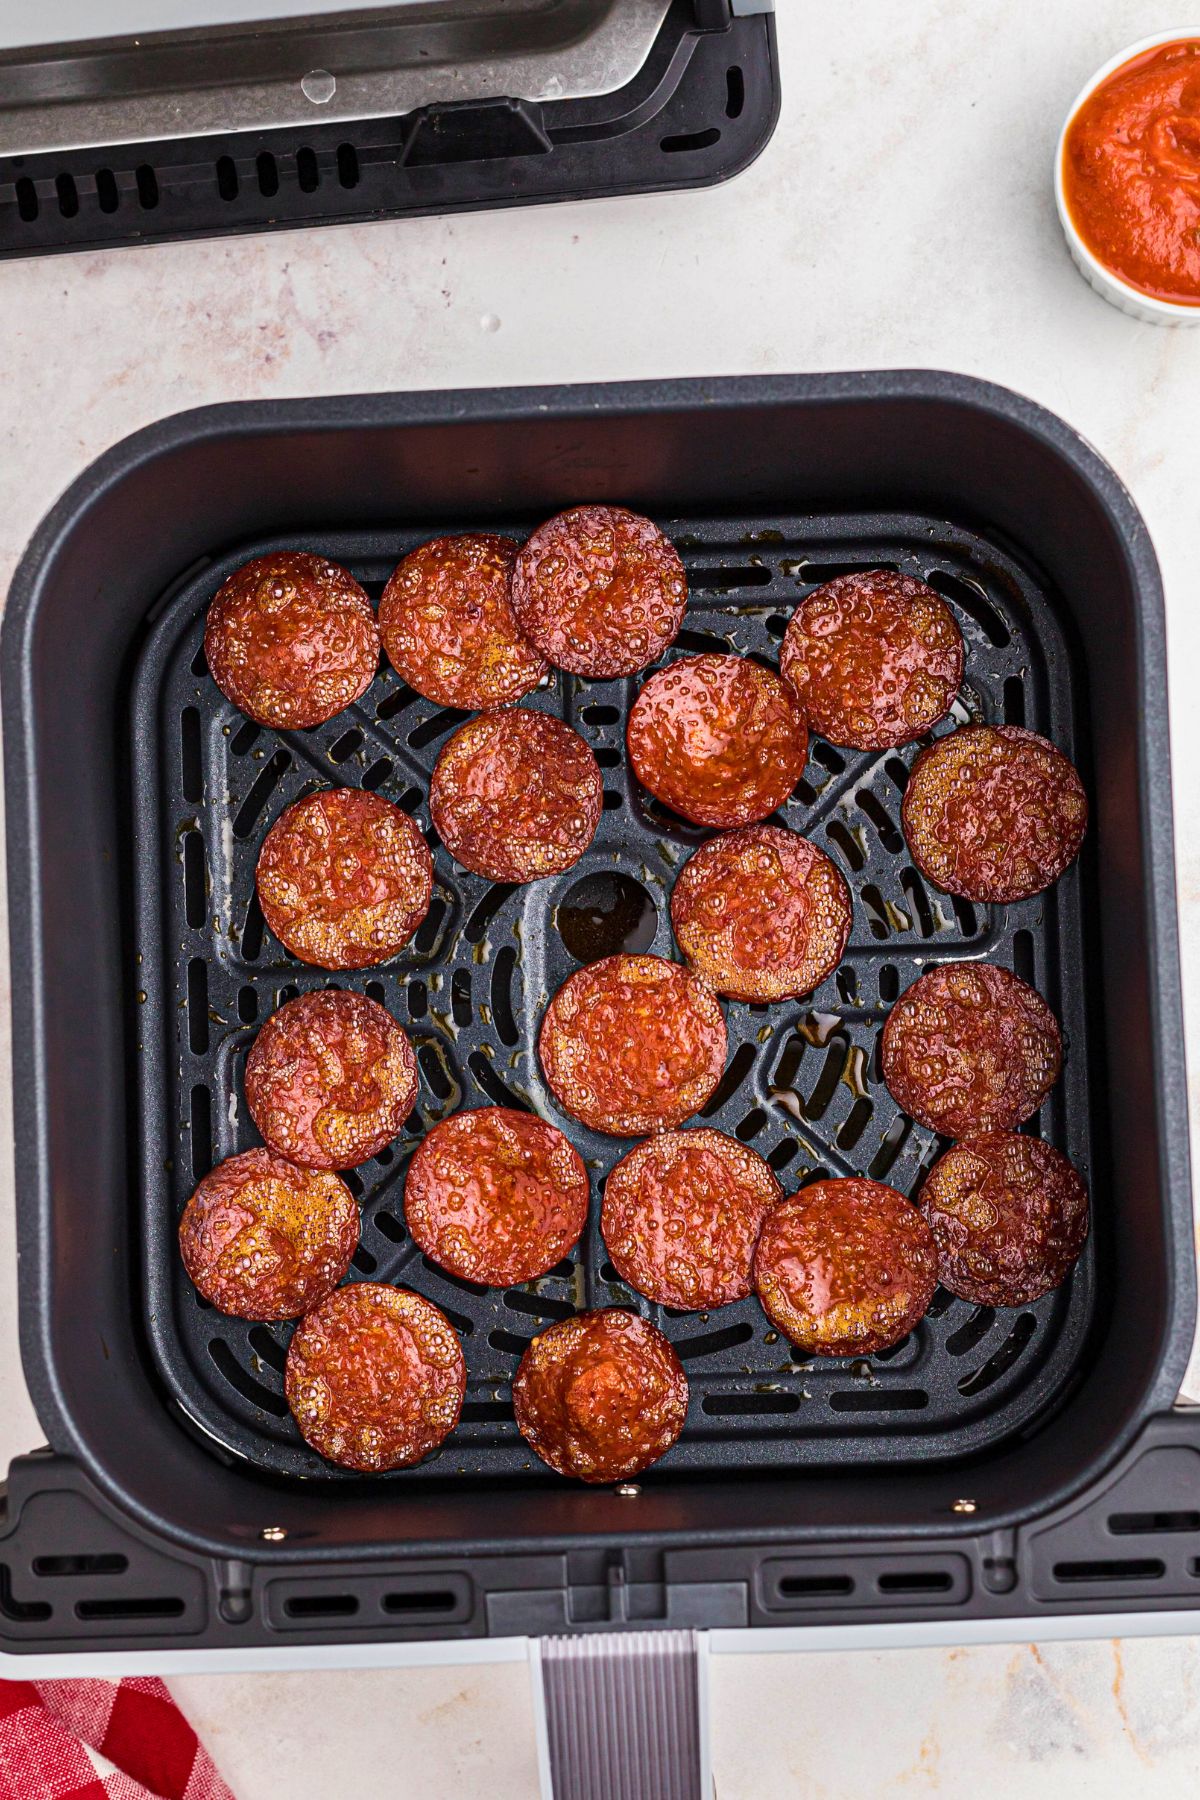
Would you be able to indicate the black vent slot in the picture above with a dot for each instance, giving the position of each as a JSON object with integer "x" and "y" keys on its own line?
{"x": 245, "y": 1384}
{"x": 420, "y": 1600}
{"x": 709, "y": 1343}
{"x": 256, "y": 800}
{"x": 815, "y": 1587}
{"x": 321, "y": 1606}
{"x": 166, "y": 1606}
{"x": 868, "y": 1400}
{"x": 98, "y": 1563}
{"x": 915, "y": 1581}
{"x": 967, "y": 594}
{"x": 1148, "y": 1524}
{"x": 747, "y": 1406}
{"x": 538, "y": 1306}
{"x": 721, "y": 578}
{"x": 1129, "y": 1568}
{"x": 27, "y": 200}
{"x": 493, "y": 1084}
{"x": 692, "y": 140}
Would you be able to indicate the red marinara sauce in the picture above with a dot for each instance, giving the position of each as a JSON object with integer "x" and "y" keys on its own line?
{"x": 1131, "y": 172}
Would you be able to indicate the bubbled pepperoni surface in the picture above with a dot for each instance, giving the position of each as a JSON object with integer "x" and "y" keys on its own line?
{"x": 601, "y": 1396}
{"x": 375, "y": 1377}
{"x": 1009, "y": 1215}
{"x": 970, "y": 1047}
{"x": 599, "y": 590}
{"x": 496, "y": 1195}
{"x": 875, "y": 659}
{"x": 291, "y": 639}
{"x": 262, "y": 1239}
{"x": 718, "y": 739}
{"x": 681, "y": 1217}
{"x": 993, "y": 812}
{"x": 516, "y": 795}
{"x": 330, "y": 1079}
{"x": 448, "y": 626}
{"x": 344, "y": 879}
{"x": 761, "y": 914}
{"x": 845, "y": 1267}
{"x": 632, "y": 1044}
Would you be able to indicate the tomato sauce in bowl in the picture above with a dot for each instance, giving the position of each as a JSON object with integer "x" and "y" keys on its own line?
{"x": 1130, "y": 171}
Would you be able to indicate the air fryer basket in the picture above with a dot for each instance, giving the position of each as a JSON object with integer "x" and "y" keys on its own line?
{"x": 132, "y": 997}
{"x": 802, "y": 1084}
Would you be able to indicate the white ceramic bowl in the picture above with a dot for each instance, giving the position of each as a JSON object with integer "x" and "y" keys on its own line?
{"x": 1131, "y": 300}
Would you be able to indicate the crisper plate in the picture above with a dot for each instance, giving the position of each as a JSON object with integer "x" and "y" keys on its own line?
{"x": 802, "y": 1083}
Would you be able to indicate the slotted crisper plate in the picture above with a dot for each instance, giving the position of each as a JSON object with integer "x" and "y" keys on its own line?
{"x": 802, "y": 1082}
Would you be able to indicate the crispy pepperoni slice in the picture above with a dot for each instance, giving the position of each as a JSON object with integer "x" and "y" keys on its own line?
{"x": 344, "y": 879}
{"x": 599, "y": 590}
{"x": 719, "y": 739}
{"x": 600, "y": 1396}
{"x": 291, "y": 639}
{"x": 993, "y": 812}
{"x": 875, "y": 659}
{"x": 970, "y": 1047}
{"x": 516, "y": 795}
{"x": 264, "y": 1240}
{"x": 681, "y": 1216}
{"x": 448, "y": 626}
{"x": 761, "y": 914}
{"x": 632, "y": 1044}
{"x": 375, "y": 1377}
{"x": 330, "y": 1079}
{"x": 1009, "y": 1215}
{"x": 496, "y": 1195}
{"x": 844, "y": 1268}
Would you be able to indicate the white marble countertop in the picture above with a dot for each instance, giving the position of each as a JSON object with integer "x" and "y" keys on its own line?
{"x": 902, "y": 216}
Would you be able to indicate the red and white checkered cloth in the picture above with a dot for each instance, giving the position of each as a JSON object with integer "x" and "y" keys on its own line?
{"x": 100, "y": 1740}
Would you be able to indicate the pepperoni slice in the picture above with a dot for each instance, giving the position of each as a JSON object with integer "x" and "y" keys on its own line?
{"x": 632, "y": 1044}
{"x": 970, "y": 1047}
{"x": 330, "y": 1079}
{"x": 1009, "y": 1215}
{"x": 291, "y": 639}
{"x": 681, "y": 1216}
{"x": 599, "y": 590}
{"x": 264, "y": 1240}
{"x": 876, "y": 659}
{"x": 375, "y": 1377}
{"x": 448, "y": 626}
{"x": 600, "y": 1396}
{"x": 761, "y": 914}
{"x": 719, "y": 739}
{"x": 516, "y": 795}
{"x": 844, "y": 1268}
{"x": 993, "y": 812}
{"x": 496, "y": 1195}
{"x": 344, "y": 879}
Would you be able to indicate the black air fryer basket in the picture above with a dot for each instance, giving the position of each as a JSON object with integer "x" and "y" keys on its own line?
{"x": 995, "y": 1463}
